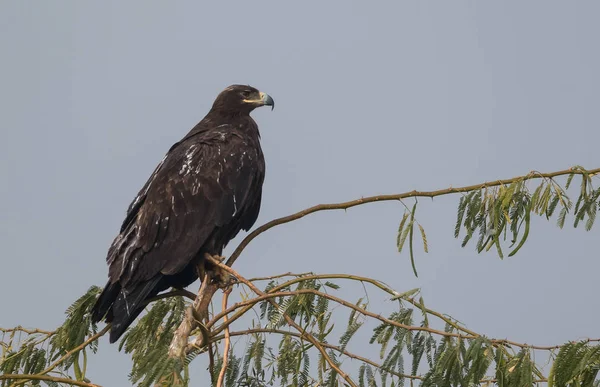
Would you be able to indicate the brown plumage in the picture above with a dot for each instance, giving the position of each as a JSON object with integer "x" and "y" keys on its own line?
{"x": 205, "y": 190}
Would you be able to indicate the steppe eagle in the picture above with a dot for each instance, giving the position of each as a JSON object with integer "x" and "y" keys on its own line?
{"x": 204, "y": 191}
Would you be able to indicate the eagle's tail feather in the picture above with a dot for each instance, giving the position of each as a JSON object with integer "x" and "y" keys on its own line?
{"x": 130, "y": 303}
{"x": 105, "y": 301}
{"x": 122, "y": 306}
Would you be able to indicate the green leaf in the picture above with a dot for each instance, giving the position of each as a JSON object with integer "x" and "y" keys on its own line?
{"x": 525, "y": 233}
{"x": 561, "y": 217}
{"x": 332, "y": 285}
{"x": 536, "y": 195}
{"x": 404, "y": 236}
{"x": 399, "y": 239}
{"x": 77, "y": 369}
{"x": 569, "y": 179}
{"x": 462, "y": 205}
{"x": 424, "y": 238}
{"x": 406, "y": 295}
{"x": 410, "y": 242}
{"x": 544, "y": 200}
{"x": 591, "y": 211}
{"x": 552, "y": 206}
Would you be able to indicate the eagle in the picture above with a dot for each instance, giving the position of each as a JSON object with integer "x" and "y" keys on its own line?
{"x": 205, "y": 190}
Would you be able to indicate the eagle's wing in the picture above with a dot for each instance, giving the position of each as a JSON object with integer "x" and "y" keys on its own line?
{"x": 200, "y": 186}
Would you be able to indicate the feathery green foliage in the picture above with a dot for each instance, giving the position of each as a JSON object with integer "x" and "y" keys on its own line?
{"x": 577, "y": 364}
{"x": 76, "y": 328}
{"x": 37, "y": 351}
{"x": 148, "y": 342}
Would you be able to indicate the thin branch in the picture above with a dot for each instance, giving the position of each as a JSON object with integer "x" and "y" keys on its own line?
{"x": 172, "y": 293}
{"x": 377, "y": 284}
{"x": 289, "y": 320}
{"x": 26, "y": 377}
{"x": 395, "y": 197}
{"x": 288, "y": 274}
{"x": 269, "y": 296}
{"x": 28, "y": 331}
{"x": 227, "y": 342}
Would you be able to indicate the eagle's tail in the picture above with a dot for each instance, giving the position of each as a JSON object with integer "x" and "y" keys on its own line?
{"x": 105, "y": 301}
{"x": 122, "y": 306}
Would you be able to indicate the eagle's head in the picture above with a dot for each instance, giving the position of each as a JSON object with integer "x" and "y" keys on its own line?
{"x": 240, "y": 99}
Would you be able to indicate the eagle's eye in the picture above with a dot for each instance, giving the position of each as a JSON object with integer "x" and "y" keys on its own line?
{"x": 246, "y": 93}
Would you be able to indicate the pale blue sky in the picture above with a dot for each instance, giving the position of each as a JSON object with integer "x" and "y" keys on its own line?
{"x": 371, "y": 98}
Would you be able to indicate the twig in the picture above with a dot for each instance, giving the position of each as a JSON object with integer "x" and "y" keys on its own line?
{"x": 25, "y": 377}
{"x": 25, "y": 330}
{"x": 288, "y": 274}
{"x": 227, "y": 341}
{"x": 395, "y": 197}
{"x": 377, "y": 284}
{"x": 415, "y": 303}
{"x": 172, "y": 293}
{"x": 270, "y": 296}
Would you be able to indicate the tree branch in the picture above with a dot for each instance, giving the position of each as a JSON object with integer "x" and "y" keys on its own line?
{"x": 199, "y": 309}
{"x": 379, "y": 285}
{"x": 25, "y": 330}
{"x": 288, "y": 274}
{"x": 269, "y": 296}
{"x": 172, "y": 293}
{"x": 227, "y": 342}
{"x": 394, "y": 197}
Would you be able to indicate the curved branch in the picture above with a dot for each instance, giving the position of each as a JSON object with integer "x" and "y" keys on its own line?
{"x": 275, "y": 294}
{"x": 227, "y": 342}
{"x": 270, "y": 296}
{"x": 394, "y": 197}
{"x": 176, "y": 292}
{"x": 288, "y": 274}
{"x": 28, "y": 331}
{"x": 379, "y": 285}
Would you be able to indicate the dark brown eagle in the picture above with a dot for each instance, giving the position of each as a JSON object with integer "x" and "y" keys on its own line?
{"x": 204, "y": 191}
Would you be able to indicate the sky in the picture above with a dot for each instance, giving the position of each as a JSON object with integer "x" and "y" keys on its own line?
{"x": 371, "y": 98}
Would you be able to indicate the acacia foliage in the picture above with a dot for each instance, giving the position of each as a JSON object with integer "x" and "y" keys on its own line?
{"x": 410, "y": 345}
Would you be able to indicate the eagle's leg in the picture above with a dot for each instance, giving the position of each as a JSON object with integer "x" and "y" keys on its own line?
{"x": 218, "y": 275}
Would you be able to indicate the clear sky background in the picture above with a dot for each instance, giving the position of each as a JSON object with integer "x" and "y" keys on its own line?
{"x": 371, "y": 98}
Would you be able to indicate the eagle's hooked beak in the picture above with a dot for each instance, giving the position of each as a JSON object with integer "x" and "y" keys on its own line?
{"x": 267, "y": 100}
{"x": 264, "y": 100}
